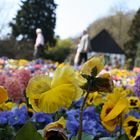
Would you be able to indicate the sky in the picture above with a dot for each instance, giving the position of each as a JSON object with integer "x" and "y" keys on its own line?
{"x": 73, "y": 16}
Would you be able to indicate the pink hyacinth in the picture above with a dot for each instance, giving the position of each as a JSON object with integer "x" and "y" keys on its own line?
{"x": 23, "y": 76}
{"x": 15, "y": 90}
{"x": 3, "y": 78}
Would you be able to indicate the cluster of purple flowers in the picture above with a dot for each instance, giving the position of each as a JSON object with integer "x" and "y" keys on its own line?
{"x": 15, "y": 116}
{"x": 91, "y": 122}
{"x": 137, "y": 85}
{"x": 18, "y": 116}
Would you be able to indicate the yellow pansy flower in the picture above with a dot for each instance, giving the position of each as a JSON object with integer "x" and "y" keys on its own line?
{"x": 3, "y": 95}
{"x": 81, "y": 79}
{"x": 112, "y": 110}
{"x": 132, "y": 128}
{"x": 49, "y": 95}
{"x": 134, "y": 102}
{"x": 38, "y": 84}
{"x": 94, "y": 98}
{"x": 97, "y": 61}
{"x": 55, "y": 130}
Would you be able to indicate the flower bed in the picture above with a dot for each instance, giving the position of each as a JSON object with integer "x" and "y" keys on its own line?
{"x": 46, "y": 100}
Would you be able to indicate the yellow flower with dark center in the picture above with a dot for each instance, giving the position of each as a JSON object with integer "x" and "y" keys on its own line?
{"x": 49, "y": 95}
{"x": 97, "y": 61}
{"x": 3, "y": 95}
{"x": 94, "y": 98}
{"x": 112, "y": 110}
{"x": 132, "y": 128}
{"x": 137, "y": 137}
{"x": 55, "y": 130}
{"x": 134, "y": 102}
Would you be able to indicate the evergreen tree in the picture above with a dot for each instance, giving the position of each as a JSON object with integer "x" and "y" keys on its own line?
{"x": 137, "y": 60}
{"x": 134, "y": 33}
{"x": 35, "y": 14}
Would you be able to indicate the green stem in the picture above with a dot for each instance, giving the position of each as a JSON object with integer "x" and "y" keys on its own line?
{"x": 82, "y": 109}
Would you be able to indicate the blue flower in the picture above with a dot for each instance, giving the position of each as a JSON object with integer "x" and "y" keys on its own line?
{"x": 89, "y": 126}
{"x": 4, "y": 117}
{"x": 73, "y": 114}
{"x": 18, "y": 116}
{"x": 77, "y": 104}
{"x": 42, "y": 117}
{"x": 134, "y": 113}
{"x": 72, "y": 126}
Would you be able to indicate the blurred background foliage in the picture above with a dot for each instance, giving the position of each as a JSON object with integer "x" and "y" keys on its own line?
{"x": 123, "y": 26}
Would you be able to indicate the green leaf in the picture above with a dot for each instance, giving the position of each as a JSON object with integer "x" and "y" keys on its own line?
{"x": 85, "y": 136}
{"x": 123, "y": 137}
{"x": 28, "y": 132}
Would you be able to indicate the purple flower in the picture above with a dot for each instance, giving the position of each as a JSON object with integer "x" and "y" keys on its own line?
{"x": 42, "y": 117}
{"x": 137, "y": 85}
{"x": 18, "y": 116}
{"x": 89, "y": 126}
{"x": 4, "y": 117}
{"x": 14, "y": 117}
{"x": 72, "y": 126}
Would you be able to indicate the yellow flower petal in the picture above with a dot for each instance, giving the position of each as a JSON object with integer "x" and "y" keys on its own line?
{"x": 64, "y": 75}
{"x": 117, "y": 109}
{"x": 110, "y": 125}
{"x": 60, "y": 123}
{"x": 91, "y": 63}
{"x": 38, "y": 84}
{"x": 130, "y": 123}
{"x": 61, "y": 96}
{"x": 3, "y": 95}
{"x": 55, "y": 130}
{"x": 81, "y": 79}
{"x": 34, "y": 101}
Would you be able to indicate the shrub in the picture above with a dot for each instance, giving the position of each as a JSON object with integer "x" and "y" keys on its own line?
{"x": 58, "y": 53}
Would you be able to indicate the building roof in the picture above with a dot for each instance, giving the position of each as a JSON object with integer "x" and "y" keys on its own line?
{"x": 104, "y": 43}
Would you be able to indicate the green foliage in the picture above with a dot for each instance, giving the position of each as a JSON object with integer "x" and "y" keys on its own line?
{"x": 123, "y": 137}
{"x": 7, "y": 48}
{"x": 137, "y": 60}
{"x": 17, "y": 50}
{"x": 35, "y": 14}
{"x": 58, "y": 53}
{"x": 24, "y": 50}
{"x": 134, "y": 33}
{"x": 64, "y": 43}
{"x": 5, "y": 132}
{"x": 28, "y": 132}
{"x": 61, "y": 52}
{"x": 85, "y": 136}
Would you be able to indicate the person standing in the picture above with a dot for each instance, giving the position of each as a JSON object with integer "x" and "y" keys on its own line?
{"x": 77, "y": 55}
{"x": 39, "y": 44}
{"x": 84, "y": 47}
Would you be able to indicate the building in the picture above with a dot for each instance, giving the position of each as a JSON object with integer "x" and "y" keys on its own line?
{"x": 103, "y": 43}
